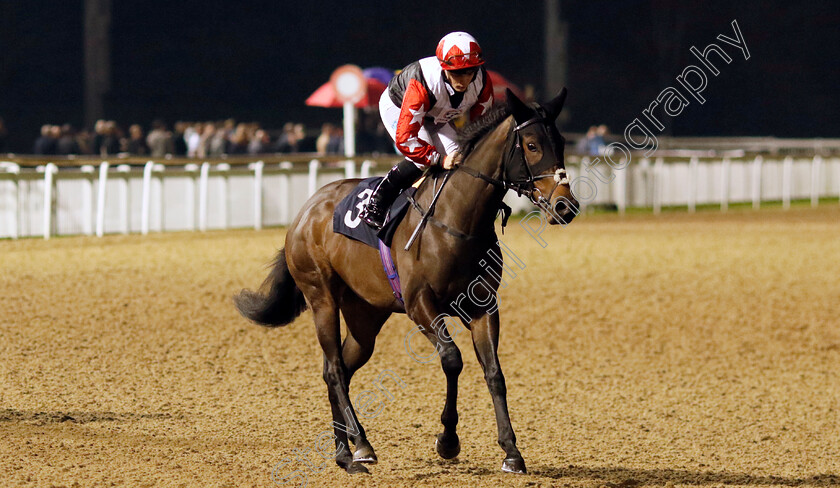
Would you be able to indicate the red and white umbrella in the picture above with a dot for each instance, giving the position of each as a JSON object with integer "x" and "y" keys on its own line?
{"x": 325, "y": 96}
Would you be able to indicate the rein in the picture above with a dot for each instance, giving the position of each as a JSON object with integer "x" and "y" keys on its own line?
{"x": 426, "y": 216}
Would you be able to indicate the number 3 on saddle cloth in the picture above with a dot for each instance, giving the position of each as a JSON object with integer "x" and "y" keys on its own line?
{"x": 346, "y": 221}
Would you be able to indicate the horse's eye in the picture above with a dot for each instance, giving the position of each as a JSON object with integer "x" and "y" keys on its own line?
{"x": 532, "y": 147}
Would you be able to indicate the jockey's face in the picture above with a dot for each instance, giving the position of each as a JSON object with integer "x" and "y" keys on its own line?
{"x": 460, "y": 79}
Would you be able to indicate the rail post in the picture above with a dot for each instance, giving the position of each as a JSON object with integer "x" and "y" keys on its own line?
{"x": 13, "y": 168}
{"x": 202, "y": 196}
{"x": 724, "y": 184}
{"x": 756, "y": 182}
{"x": 621, "y": 188}
{"x": 693, "y": 171}
{"x": 147, "y": 197}
{"x": 787, "y": 176}
{"x": 125, "y": 212}
{"x": 285, "y": 189}
{"x": 100, "y": 199}
{"x": 49, "y": 171}
{"x": 644, "y": 168}
{"x": 349, "y": 169}
{"x": 225, "y": 169}
{"x": 87, "y": 199}
{"x": 367, "y": 164}
{"x": 313, "y": 176}
{"x": 258, "y": 194}
{"x": 191, "y": 168}
{"x": 816, "y": 164}
{"x": 658, "y": 170}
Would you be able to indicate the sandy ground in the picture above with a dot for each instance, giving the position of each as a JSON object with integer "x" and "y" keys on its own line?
{"x": 674, "y": 350}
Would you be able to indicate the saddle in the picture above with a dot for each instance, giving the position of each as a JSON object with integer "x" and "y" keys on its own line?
{"x": 346, "y": 220}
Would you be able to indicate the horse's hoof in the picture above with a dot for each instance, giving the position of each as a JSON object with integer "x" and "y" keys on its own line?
{"x": 365, "y": 455}
{"x": 355, "y": 468}
{"x": 514, "y": 465}
{"x": 447, "y": 448}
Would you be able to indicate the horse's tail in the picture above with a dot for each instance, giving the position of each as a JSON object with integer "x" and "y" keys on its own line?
{"x": 278, "y": 301}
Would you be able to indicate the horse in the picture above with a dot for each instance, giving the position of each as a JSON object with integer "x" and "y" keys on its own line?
{"x": 515, "y": 146}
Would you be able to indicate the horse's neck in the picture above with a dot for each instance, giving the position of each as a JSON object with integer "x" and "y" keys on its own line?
{"x": 472, "y": 203}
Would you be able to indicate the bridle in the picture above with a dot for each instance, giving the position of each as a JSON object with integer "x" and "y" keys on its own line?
{"x": 517, "y": 174}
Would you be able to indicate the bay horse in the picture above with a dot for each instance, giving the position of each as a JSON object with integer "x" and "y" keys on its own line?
{"x": 515, "y": 146}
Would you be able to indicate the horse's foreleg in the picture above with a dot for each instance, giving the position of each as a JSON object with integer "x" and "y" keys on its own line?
{"x": 485, "y": 336}
{"x": 447, "y": 445}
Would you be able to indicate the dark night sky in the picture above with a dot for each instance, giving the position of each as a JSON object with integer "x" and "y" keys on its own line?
{"x": 259, "y": 60}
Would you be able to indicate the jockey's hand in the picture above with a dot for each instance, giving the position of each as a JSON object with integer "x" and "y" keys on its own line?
{"x": 452, "y": 160}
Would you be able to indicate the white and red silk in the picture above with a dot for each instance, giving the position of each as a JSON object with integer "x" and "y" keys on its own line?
{"x": 415, "y": 106}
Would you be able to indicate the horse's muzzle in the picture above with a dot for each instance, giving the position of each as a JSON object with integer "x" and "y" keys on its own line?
{"x": 564, "y": 210}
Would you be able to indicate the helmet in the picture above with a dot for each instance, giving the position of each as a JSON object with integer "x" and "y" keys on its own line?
{"x": 459, "y": 50}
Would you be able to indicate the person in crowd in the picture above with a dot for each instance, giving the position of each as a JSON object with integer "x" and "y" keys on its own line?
{"x": 305, "y": 143}
{"x": 218, "y": 144}
{"x": 46, "y": 143}
{"x": 228, "y": 127}
{"x": 192, "y": 136}
{"x": 601, "y": 138}
{"x": 260, "y": 142}
{"x": 207, "y": 132}
{"x": 135, "y": 144}
{"x": 110, "y": 144}
{"x": 179, "y": 140}
{"x": 159, "y": 140}
{"x": 336, "y": 144}
{"x": 324, "y": 137}
{"x": 287, "y": 142}
{"x": 582, "y": 146}
{"x": 593, "y": 143}
{"x": 67, "y": 143}
{"x": 98, "y": 136}
{"x": 84, "y": 139}
{"x": 238, "y": 141}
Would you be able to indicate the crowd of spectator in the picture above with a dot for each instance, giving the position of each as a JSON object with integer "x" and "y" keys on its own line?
{"x": 594, "y": 142}
{"x": 202, "y": 139}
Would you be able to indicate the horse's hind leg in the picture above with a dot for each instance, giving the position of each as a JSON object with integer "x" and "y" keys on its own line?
{"x": 363, "y": 325}
{"x": 336, "y": 377}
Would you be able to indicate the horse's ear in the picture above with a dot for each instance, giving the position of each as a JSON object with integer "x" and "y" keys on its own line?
{"x": 518, "y": 109}
{"x": 554, "y": 107}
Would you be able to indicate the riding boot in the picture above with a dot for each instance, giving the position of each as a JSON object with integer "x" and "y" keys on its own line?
{"x": 400, "y": 177}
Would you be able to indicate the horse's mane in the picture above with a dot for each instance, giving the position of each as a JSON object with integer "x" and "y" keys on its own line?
{"x": 469, "y": 136}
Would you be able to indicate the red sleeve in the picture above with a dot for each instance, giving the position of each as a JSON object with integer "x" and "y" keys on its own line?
{"x": 414, "y": 107}
{"x": 485, "y": 99}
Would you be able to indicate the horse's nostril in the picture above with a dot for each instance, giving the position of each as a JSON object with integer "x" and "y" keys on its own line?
{"x": 560, "y": 208}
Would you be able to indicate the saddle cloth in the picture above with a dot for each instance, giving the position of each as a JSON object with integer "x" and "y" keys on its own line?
{"x": 346, "y": 219}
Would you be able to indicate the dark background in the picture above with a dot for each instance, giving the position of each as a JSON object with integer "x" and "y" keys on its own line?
{"x": 259, "y": 60}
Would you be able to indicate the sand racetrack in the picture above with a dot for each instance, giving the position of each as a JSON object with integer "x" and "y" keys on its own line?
{"x": 698, "y": 350}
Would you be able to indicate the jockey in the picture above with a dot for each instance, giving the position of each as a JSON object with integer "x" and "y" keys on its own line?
{"x": 418, "y": 108}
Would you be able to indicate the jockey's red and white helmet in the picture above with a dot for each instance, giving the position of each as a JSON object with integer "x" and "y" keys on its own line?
{"x": 459, "y": 50}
